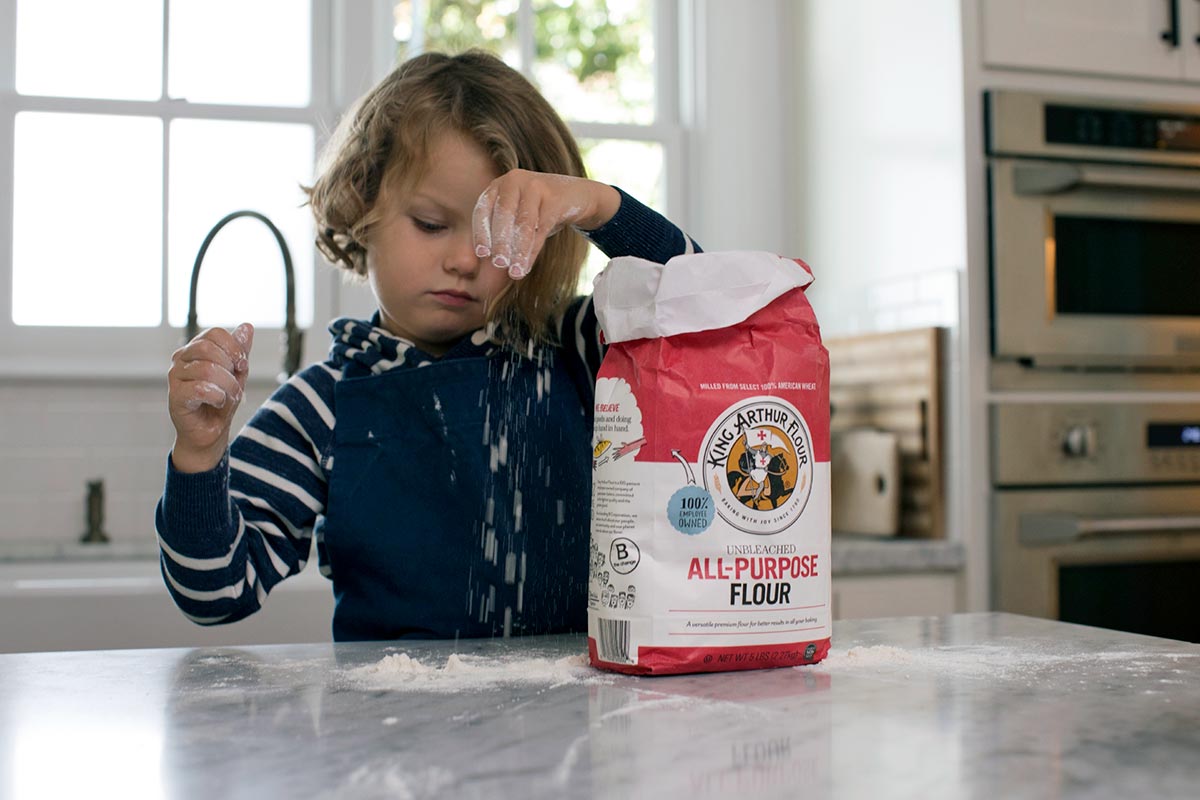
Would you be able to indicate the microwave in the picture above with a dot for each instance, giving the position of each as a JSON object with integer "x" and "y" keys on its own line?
{"x": 1094, "y": 232}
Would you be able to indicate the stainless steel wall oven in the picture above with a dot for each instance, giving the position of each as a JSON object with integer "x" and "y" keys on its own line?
{"x": 1095, "y": 232}
{"x": 1094, "y": 235}
{"x": 1096, "y": 514}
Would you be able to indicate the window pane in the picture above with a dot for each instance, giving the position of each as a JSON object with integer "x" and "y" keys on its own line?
{"x": 451, "y": 26}
{"x": 82, "y": 48}
{"x": 87, "y": 220}
{"x": 240, "y": 53}
{"x": 637, "y": 167}
{"x": 218, "y": 167}
{"x": 595, "y": 59}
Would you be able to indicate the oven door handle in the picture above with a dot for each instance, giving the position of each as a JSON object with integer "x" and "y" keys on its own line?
{"x": 1060, "y": 528}
{"x": 1039, "y": 179}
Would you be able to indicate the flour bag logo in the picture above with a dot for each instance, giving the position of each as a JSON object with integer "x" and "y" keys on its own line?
{"x": 758, "y": 465}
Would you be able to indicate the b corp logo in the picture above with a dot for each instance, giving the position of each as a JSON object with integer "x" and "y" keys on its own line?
{"x": 624, "y": 555}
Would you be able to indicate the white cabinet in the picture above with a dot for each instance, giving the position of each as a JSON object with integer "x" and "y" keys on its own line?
{"x": 91, "y": 605}
{"x": 1127, "y": 38}
{"x": 897, "y": 595}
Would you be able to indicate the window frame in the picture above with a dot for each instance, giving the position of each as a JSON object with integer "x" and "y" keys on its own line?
{"x": 342, "y": 69}
{"x": 141, "y": 352}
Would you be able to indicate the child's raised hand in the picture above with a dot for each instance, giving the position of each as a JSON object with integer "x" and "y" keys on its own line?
{"x": 519, "y": 210}
{"x": 206, "y": 383}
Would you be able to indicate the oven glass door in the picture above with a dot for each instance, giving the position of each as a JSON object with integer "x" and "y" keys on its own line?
{"x": 1155, "y": 598}
{"x": 1092, "y": 255}
{"x": 1120, "y": 557}
{"x": 1095, "y": 264}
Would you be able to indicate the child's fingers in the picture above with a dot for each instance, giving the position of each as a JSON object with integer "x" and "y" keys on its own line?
{"x": 244, "y": 335}
{"x": 197, "y": 383}
{"x": 210, "y": 370}
{"x": 481, "y": 221}
{"x": 204, "y": 393}
{"x": 526, "y": 241}
{"x": 531, "y": 247}
{"x": 229, "y": 349}
{"x": 504, "y": 229}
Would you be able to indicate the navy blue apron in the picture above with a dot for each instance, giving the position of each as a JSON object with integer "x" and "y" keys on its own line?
{"x": 459, "y": 500}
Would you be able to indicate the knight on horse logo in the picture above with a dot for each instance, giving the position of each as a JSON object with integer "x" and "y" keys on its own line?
{"x": 757, "y": 462}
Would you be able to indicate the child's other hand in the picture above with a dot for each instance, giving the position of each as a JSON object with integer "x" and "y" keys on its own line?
{"x": 519, "y": 210}
{"x": 206, "y": 383}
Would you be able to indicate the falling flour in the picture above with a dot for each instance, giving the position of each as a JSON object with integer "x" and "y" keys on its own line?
{"x": 402, "y": 672}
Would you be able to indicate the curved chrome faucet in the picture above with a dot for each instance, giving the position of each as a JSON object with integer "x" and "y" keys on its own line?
{"x": 293, "y": 336}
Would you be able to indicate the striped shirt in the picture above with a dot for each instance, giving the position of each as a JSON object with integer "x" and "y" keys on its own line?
{"x": 229, "y": 535}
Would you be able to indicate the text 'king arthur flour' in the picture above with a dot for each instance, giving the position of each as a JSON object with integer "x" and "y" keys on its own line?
{"x": 710, "y": 488}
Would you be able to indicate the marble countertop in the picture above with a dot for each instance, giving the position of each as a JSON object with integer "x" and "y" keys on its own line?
{"x": 975, "y": 705}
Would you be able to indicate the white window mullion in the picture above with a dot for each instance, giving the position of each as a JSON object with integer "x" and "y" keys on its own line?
{"x": 673, "y": 38}
{"x": 8, "y": 71}
{"x": 8, "y": 46}
{"x": 614, "y": 130}
{"x": 526, "y": 44}
{"x": 165, "y": 323}
{"x": 321, "y": 46}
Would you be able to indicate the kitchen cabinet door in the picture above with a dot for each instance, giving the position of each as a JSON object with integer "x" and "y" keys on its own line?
{"x": 1126, "y": 38}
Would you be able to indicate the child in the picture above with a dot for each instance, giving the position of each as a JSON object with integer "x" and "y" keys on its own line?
{"x": 441, "y": 455}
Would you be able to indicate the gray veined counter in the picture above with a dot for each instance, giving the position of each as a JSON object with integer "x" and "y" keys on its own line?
{"x": 979, "y": 705}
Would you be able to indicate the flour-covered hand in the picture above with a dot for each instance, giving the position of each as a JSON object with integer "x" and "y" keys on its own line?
{"x": 206, "y": 383}
{"x": 521, "y": 209}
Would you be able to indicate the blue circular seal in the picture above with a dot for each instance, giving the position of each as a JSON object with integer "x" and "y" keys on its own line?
{"x": 690, "y": 510}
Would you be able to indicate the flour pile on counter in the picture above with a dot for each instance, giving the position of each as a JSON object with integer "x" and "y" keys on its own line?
{"x": 402, "y": 672}
{"x": 873, "y": 656}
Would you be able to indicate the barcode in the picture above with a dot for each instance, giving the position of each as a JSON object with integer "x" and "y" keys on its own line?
{"x": 612, "y": 640}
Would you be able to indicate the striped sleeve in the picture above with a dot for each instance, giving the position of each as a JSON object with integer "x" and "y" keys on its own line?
{"x": 635, "y": 230}
{"x": 228, "y": 536}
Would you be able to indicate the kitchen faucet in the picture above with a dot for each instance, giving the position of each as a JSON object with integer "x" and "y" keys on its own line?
{"x": 293, "y": 336}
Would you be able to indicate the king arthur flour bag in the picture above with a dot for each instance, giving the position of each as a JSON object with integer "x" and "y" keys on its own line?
{"x": 710, "y": 492}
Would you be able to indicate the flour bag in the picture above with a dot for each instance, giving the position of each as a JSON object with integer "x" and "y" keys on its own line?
{"x": 710, "y": 531}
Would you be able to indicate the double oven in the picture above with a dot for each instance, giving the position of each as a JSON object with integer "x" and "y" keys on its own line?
{"x": 1094, "y": 240}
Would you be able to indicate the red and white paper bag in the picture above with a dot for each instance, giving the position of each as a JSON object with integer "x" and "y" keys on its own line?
{"x": 710, "y": 532}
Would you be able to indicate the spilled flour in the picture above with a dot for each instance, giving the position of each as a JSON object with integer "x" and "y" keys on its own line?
{"x": 873, "y": 656}
{"x": 998, "y": 661}
{"x": 402, "y": 672}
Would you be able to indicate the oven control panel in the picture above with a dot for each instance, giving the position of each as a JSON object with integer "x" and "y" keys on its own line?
{"x": 1047, "y": 443}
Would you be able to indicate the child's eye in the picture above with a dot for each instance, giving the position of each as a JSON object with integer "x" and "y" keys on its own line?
{"x": 427, "y": 226}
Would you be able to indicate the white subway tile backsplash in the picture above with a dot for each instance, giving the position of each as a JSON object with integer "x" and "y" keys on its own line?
{"x": 56, "y": 436}
{"x": 892, "y": 293}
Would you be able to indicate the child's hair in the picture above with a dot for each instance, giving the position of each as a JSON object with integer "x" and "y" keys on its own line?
{"x": 383, "y": 147}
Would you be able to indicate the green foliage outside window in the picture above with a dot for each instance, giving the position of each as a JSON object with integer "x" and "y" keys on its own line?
{"x": 586, "y": 35}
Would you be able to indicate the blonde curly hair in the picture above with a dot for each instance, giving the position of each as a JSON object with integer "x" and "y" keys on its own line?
{"x": 383, "y": 146}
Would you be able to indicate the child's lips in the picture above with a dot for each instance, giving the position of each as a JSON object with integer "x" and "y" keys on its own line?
{"x": 453, "y": 298}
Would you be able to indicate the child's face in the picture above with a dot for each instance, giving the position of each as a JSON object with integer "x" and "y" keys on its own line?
{"x": 421, "y": 262}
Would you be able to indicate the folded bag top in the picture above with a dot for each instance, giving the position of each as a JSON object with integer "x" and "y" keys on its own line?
{"x": 638, "y": 299}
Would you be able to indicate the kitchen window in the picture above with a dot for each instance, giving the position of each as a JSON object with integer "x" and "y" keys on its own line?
{"x": 129, "y": 135}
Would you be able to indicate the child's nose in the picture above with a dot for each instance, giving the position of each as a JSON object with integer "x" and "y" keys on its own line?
{"x": 462, "y": 259}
